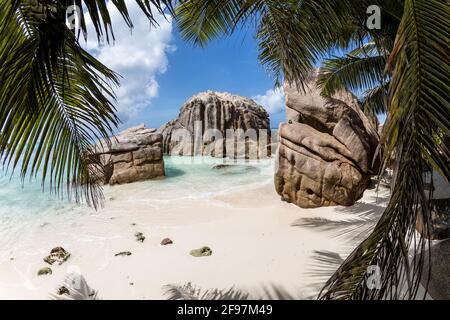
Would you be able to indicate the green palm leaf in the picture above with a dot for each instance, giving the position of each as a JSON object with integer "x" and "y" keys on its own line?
{"x": 292, "y": 34}
{"x": 418, "y": 108}
{"x": 353, "y": 73}
{"x": 99, "y": 14}
{"x": 56, "y": 99}
{"x": 375, "y": 100}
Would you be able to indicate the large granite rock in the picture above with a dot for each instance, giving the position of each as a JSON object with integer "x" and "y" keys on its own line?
{"x": 326, "y": 149}
{"x": 209, "y": 123}
{"x": 133, "y": 155}
{"x": 439, "y": 280}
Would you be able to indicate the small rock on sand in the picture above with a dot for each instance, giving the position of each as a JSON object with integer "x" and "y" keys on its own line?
{"x": 201, "y": 252}
{"x": 44, "y": 271}
{"x": 166, "y": 241}
{"x": 123, "y": 253}
{"x": 57, "y": 254}
{"x": 63, "y": 290}
{"x": 139, "y": 236}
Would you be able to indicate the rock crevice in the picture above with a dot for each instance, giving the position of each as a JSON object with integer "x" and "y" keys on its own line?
{"x": 133, "y": 155}
{"x": 203, "y": 124}
{"x": 326, "y": 149}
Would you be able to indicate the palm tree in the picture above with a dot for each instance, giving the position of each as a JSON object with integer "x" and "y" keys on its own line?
{"x": 404, "y": 69}
{"x": 55, "y": 98}
{"x": 417, "y": 112}
{"x": 360, "y": 69}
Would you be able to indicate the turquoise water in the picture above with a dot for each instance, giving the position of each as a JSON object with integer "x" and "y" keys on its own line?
{"x": 200, "y": 177}
{"x": 24, "y": 205}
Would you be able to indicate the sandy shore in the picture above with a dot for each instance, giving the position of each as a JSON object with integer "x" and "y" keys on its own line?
{"x": 262, "y": 247}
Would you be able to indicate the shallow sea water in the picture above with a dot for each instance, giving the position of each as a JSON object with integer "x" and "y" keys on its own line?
{"x": 24, "y": 205}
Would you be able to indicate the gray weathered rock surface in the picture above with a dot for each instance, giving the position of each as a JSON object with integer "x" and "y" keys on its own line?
{"x": 201, "y": 252}
{"x": 439, "y": 280}
{"x": 58, "y": 254}
{"x": 210, "y": 113}
{"x": 134, "y": 155}
{"x": 439, "y": 227}
{"x": 326, "y": 149}
{"x": 44, "y": 271}
{"x": 166, "y": 241}
{"x": 139, "y": 236}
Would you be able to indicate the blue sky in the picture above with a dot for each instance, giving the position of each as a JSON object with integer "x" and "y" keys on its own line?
{"x": 228, "y": 64}
{"x": 161, "y": 71}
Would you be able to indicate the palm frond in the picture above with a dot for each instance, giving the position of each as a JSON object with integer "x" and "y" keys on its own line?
{"x": 201, "y": 21}
{"x": 418, "y": 107}
{"x": 292, "y": 34}
{"x": 75, "y": 288}
{"x": 56, "y": 99}
{"x": 293, "y": 39}
{"x": 99, "y": 14}
{"x": 188, "y": 291}
{"x": 375, "y": 100}
{"x": 352, "y": 73}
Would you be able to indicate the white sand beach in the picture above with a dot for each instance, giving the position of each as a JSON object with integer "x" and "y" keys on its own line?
{"x": 262, "y": 247}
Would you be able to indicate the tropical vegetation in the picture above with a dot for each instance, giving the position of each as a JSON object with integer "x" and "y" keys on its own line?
{"x": 55, "y": 98}
{"x": 402, "y": 68}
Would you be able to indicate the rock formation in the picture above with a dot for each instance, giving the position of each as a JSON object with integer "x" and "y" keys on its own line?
{"x": 58, "y": 255}
{"x": 133, "y": 155}
{"x": 209, "y": 122}
{"x": 44, "y": 271}
{"x": 201, "y": 252}
{"x": 326, "y": 149}
{"x": 166, "y": 241}
{"x": 438, "y": 282}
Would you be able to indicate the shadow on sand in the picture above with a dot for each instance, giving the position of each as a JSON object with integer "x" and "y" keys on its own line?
{"x": 188, "y": 291}
{"x": 359, "y": 221}
{"x": 353, "y": 229}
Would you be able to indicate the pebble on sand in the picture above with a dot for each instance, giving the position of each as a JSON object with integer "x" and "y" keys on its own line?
{"x": 201, "y": 252}
{"x": 44, "y": 271}
{"x": 63, "y": 290}
{"x": 57, "y": 254}
{"x": 123, "y": 253}
{"x": 139, "y": 236}
{"x": 166, "y": 241}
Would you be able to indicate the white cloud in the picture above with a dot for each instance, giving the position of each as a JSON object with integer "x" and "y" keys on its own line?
{"x": 138, "y": 56}
{"x": 273, "y": 100}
